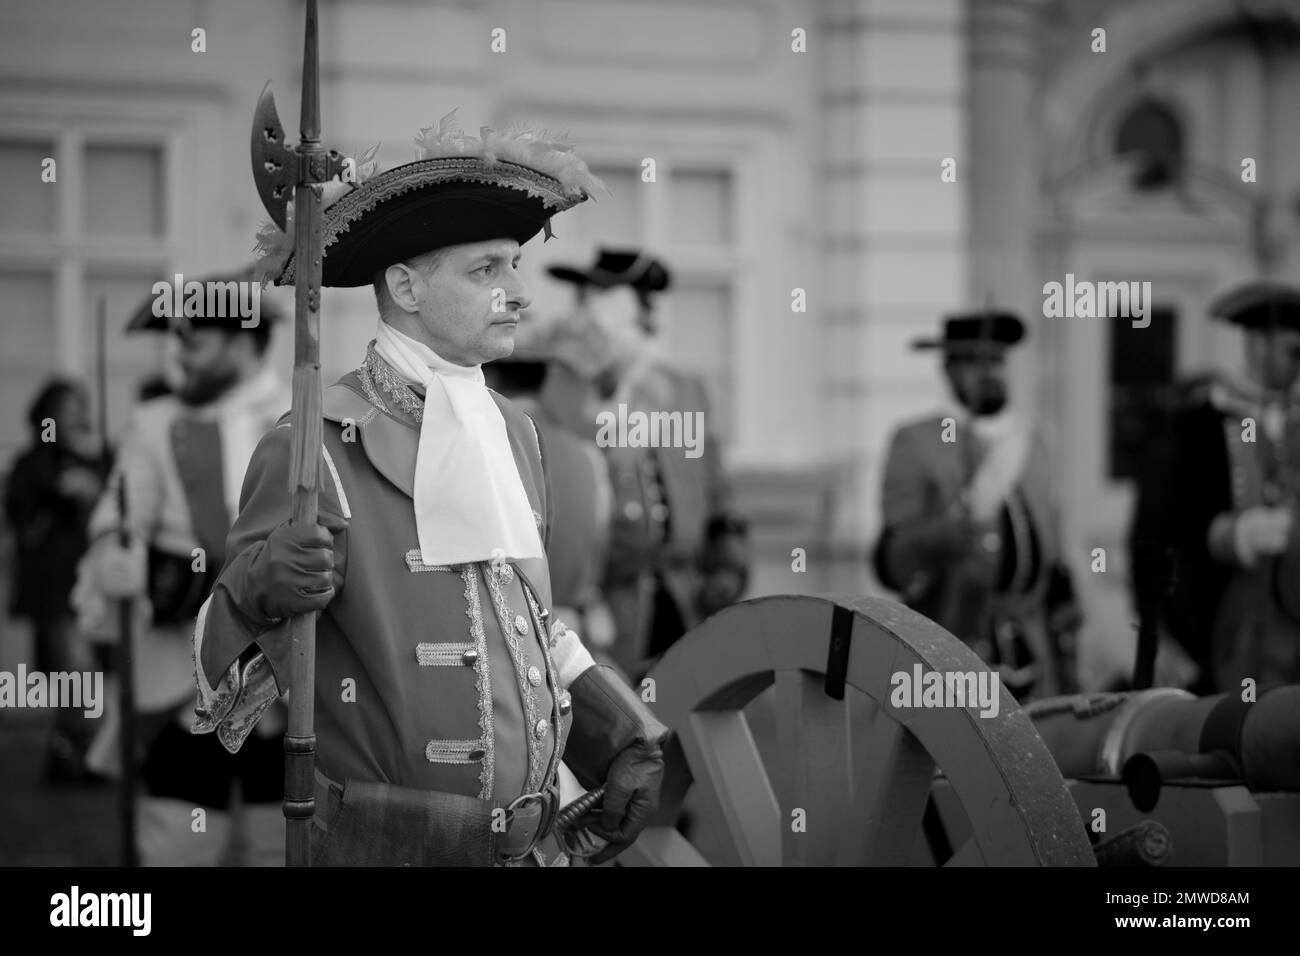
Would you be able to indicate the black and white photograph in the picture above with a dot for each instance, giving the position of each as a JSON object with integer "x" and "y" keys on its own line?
{"x": 612, "y": 434}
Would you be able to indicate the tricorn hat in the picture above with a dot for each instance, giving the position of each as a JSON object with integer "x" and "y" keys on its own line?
{"x": 985, "y": 331}
{"x": 616, "y": 267}
{"x": 227, "y": 300}
{"x": 460, "y": 189}
{"x": 1259, "y": 304}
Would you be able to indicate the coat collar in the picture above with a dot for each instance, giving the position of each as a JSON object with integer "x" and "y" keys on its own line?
{"x": 389, "y": 439}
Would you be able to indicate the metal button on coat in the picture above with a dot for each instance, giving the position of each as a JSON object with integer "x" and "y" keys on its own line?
{"x": 566, "y": 702}
{"x": 534, "y": 676}
{"x": 992, "y": 541}
{"x": 632, "y": 510}
{"x": 659, "y": 512}
{"x": 521, "y": 624}
{"x": 541, "y": 728}
{"x": 469, "y": 657}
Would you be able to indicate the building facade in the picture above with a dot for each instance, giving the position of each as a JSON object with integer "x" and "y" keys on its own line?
{"x": 891, "y": 159}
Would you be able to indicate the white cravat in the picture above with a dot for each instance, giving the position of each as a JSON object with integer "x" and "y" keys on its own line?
{"x": 470, "y": 503}
{"x": 1006, "y": 442}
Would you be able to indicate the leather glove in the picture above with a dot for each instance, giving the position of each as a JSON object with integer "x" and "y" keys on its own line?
{"x": 631, "y": 799}
{"x": 616, "y": 741}
{"x": 295, "y": 569}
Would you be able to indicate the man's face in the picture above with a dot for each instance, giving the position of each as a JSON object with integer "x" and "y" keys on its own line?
{"x": 617, "y": 311}
{"x": 463, "y": 316}
{"x": 1275, "y": 353}
{"x": 209, "y": 363}
{"x": 979, "y": 382}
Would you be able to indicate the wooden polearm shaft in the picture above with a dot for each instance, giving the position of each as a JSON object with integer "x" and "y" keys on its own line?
{"x": 305, "y": 445}
{"x": 125, "y": 615}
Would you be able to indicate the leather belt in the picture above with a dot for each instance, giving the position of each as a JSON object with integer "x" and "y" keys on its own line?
{"x": 372, "y": 824}
{"x": 529, "y": 819}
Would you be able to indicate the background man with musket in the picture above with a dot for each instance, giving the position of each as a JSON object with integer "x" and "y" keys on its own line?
{"x": 446, "y": 691}
{"x": 1220, "y": 507}
{"x": 679, "y": 551}
{"x": 971, "y": 533}
{"x": 182, "y": 460}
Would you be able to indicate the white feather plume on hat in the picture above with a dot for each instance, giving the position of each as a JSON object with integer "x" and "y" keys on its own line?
{"x": 538, "y": 150}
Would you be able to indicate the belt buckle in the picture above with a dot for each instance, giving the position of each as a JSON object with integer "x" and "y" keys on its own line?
{"x": 520, "y": 802}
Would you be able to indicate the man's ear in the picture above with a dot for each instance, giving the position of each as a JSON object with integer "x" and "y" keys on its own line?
{"x": 401, "y": 286}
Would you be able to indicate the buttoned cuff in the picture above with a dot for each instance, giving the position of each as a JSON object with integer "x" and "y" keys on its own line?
{"x": 234, "y": 706}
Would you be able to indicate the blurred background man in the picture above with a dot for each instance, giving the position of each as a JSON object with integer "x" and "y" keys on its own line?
{"x": 971, "y": 532}
{"x": 678, "y": 551}
{"x": 547, "y": 376}
{"x": 1218, "y": 510}
{"x": 182, "y": 460}
{"x": 48, "y": 498}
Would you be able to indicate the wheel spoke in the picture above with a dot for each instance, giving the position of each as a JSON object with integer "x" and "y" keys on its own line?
{"x": 732, "y": 787}
{"x": 893, "y": 785}
{"x": 813, "y": 768}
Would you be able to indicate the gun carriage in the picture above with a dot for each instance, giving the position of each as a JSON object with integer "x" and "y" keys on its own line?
{"x": 789, "y": 751}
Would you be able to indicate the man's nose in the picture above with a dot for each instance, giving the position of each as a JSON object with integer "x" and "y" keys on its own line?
{"x": 518, "y": 292}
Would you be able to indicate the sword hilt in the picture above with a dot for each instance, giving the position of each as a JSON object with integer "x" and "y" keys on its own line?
{"x": 572, "y": 813}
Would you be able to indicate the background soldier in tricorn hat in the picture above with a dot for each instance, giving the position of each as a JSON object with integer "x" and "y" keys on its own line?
{"x": 549, "y": 362}
{"x": 447, "y": 691}
{"x": 1221, "y": 507}
{"x": 971, "y": 534}
{"x": 182, "y": 459}
{"x": 679, "y": 551}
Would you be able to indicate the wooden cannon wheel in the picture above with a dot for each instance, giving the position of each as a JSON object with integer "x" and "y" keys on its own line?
{"x": 859, "y": 769}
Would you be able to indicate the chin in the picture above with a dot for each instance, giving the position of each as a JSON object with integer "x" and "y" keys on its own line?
{"x": 499, "y": 345}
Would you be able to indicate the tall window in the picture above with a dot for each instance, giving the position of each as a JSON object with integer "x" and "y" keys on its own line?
{"x": 100, "y": 230}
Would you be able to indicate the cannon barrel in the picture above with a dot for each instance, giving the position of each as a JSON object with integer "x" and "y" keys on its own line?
{"x": 1176, "y": 735}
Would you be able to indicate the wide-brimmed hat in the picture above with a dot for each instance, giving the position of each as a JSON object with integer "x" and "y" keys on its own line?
{"x": 989, "y": 331}
{"x": 460, "y": 189}
{"x": 1259, "y": 304}
{"x": 616, "y": 267}
{"x": 217, "y": 301}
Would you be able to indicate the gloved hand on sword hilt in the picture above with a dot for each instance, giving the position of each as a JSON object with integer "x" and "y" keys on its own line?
{"x": 615, "y": 748}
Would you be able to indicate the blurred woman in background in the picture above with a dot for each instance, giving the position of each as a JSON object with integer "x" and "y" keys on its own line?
{"x": 48, "y": 499}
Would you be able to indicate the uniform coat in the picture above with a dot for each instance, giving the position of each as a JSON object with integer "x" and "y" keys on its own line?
{"x": 432, "y": 678}
{"x": 925, "y": 477}
{"x": 663, "y": 504}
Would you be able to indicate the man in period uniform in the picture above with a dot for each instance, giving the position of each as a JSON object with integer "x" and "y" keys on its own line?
{"x": 447, "y": 690}
{"x": 679, "y": 551}
{"x": 970, "y": 534}
{"x": 1221, "y": 506}
{"x": 182, "y": 460}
